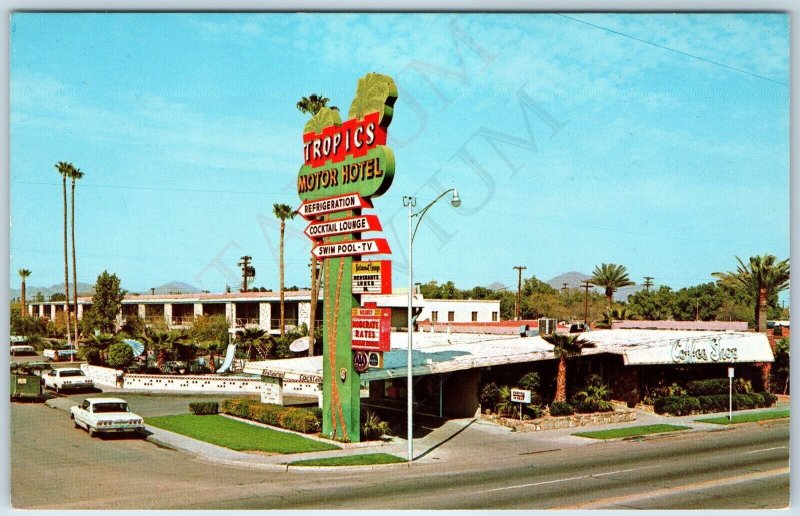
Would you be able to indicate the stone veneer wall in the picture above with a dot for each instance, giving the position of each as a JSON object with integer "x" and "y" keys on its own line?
{"x": 574, "y": 421}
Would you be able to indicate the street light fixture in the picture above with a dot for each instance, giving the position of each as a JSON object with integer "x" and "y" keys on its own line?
{"x": 410, "y": 203}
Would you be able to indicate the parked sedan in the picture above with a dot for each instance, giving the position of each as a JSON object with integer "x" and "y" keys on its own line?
{"x": 105, "y": 415}
{"x": 67, "y": 378}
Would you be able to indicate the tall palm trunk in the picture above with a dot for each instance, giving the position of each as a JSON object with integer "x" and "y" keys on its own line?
{"x": 66, "y": 265}
{"x": 283, "y": 228}
{"x": 761, "y": 310}
{"x": 74, "y": 267}
{"x": 561, "y": 379}
{"x": 313, "y": 309}
{"x": 609, "y": 296}
{"x": 22, "y": 298}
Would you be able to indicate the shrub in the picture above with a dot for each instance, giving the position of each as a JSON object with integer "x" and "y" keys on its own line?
{"x": 299, "y": 420}
{"x": 529, "y": 381}
{"x": 266, "y": 413}
{"x": 237, "y": 407}
{"x": 317, "y": 411}
{"x": 561, "y": 408}
{"x": 533, "y": 411}
{"x": 204, "y": 408}
{"x": 490, "y": 395}
{"x": 676, "y": 405}
{"x": 90, "y": 355}
{"x": 769, "y": 399}
{"x": 594, "y": 398}
{"x": 372, "y": 427}
{"x": 718, "y": 386}
{"x": 660, "y": 391}
{"x": 120, "y": 355}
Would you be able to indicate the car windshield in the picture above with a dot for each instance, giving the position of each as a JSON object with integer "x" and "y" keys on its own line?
{"x": 75, "y": 372}
{"x": 110, "y": 407}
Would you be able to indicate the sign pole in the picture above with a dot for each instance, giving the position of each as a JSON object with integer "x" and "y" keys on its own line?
{"x": 730, "y": 394}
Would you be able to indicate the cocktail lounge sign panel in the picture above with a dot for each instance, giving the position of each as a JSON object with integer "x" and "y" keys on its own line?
{"x": 727, "y": 347}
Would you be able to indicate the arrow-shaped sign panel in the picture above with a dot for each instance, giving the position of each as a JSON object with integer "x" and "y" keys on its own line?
{"x": 317, "y": 230}
{"x": 351, "y": 248}
{"x": 311, "y": 209}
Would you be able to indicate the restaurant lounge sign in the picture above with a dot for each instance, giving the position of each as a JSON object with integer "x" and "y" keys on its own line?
{"x": 345, "y": 165}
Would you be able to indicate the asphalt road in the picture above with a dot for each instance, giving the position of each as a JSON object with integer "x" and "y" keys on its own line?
{"x": 746, "y": 466}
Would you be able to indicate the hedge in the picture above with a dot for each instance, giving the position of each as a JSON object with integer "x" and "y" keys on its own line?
{"x": 204, "y": 408}
{"x": 290, "y": 418}
{"x": 717, "y": 386}
{"x": 683, "y": 405}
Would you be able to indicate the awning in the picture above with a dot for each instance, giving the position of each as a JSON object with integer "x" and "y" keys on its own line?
{"x": 641, "y": 347}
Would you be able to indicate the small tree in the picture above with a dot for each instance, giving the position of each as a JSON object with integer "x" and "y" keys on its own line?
{"x": 106, "y": 303}
{"x": 120, "y": 356}
{"x": 210, "y": 333}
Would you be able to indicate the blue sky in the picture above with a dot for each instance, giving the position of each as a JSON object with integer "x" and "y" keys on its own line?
{"x": 660, "y": 142}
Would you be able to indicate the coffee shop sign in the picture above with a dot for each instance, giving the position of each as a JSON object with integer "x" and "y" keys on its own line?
{"x": 689, "y": 351}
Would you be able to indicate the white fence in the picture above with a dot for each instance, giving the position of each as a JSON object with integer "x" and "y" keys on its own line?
{"x": 102, "y": 375}
{"x": 193, "y": 383}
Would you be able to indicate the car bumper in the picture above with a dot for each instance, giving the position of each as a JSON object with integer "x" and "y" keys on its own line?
{"x": 114, "y": 429}
{"x": 77, "y": 386}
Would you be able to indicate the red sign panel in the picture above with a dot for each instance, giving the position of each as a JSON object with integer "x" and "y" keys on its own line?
{"x": 353, "y": 201}
{"x": 353, "y": 138}
{"x": 351, "y": 248}
{"x": 318, "y": 230}
{"x": 372, "y": 329}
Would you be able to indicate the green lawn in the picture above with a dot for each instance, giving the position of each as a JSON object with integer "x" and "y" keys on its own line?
{"x": 746, "y": 418}
{"x": 237, "y": 435}
{"x": 352, "y": 460}
{"x": 631, "y": 431}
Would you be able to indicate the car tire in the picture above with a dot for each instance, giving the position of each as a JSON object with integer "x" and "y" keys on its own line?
{"x": 55, "y": 388}
{"x": 92, "y": 433}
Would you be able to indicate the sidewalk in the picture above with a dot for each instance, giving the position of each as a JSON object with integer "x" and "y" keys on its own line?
{"x": 455, "y": 439}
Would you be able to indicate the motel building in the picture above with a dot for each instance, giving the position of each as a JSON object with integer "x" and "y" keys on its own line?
{"x": 262, "y": 309}
{"x": 458, "y": 346}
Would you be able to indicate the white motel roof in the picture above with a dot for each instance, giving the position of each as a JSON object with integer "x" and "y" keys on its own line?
{"x": 442, "y": 352}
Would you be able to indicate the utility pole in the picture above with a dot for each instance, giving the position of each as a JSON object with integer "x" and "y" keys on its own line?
{"x": 564, "y": 288}
{"x": 648, "y": 282}
{"x": 585, "y": 288}
{"x": 519, "y": 289}
{"x": 247, "y": 271}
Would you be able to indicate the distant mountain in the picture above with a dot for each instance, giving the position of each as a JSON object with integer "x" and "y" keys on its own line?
{"x": 84, "y": 289}
{"x": 174, "y": 287}
{"x": 497, "y": 286}
{"x": 574, "y": 279}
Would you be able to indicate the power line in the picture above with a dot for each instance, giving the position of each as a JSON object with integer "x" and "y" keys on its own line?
{"x": 672, "y": 49}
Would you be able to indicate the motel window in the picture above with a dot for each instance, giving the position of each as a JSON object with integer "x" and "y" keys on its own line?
{"x": 451, "y": 316}
{"x": 434, "y": 316}
{"x": 474, "y": 316}
{"x": 494, "y": 316}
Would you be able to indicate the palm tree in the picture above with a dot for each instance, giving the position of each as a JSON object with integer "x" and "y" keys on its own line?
{"x": 565, "y": 346}
{"x": 23, "y": 273}
{"x": 163, "y": 343}
{"x": 74, "y": 174}
{"x": 760, "y": 280}
{"x": 65, "y": 169}
{"x": 283, "y": 212}
{"x": 611, "y": 277}
{"x": 311, "y": 105}
{"x": 101, "y": 342}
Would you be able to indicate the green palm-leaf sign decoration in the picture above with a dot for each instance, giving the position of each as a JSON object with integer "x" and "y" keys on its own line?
{"x": 325, "y": 117}
{"x": 341, "y": 159}
{"x": 374, "y": 93}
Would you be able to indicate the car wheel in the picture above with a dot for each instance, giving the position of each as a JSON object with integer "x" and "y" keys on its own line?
{"x": 75, "y": 422}
{"x": 92, "y": 433}
{"x": 56, "y": 389}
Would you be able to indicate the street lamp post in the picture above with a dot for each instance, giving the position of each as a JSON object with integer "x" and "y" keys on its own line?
{"x": 410, "y": 202}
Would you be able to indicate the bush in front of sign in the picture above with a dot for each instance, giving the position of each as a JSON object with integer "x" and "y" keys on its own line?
{"x": 676, "y": 405}
{"x": 239, "y": 407}
{"x": 594, "y": 398}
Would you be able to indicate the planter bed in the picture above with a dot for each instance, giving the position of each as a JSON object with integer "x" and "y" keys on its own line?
{"x": 573, "y": 421}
